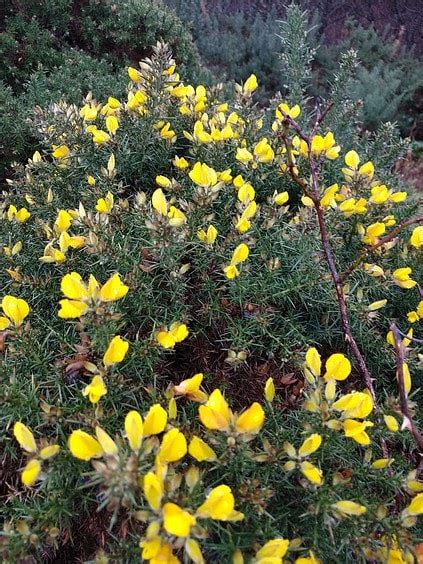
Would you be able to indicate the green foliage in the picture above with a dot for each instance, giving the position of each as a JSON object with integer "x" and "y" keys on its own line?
{"x": 64, "y": 49}
{"x": 241, "y": 331}
{"x": 387, "y": 78}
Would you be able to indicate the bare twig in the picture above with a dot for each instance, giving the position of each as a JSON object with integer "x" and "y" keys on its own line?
{"x": 400, "y": 354}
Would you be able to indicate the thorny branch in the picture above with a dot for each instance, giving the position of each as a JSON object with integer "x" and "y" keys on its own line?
{"x": 400, "y": 354}
{"x": 313, "y": 192}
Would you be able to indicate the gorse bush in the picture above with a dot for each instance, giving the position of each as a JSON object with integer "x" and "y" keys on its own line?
{"x": 206, "y": 308}
{"x": 63, "y": 50}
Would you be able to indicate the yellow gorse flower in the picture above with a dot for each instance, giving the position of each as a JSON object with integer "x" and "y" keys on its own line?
{"x": 216, "y": 415}
{"x": 239, "y": 255}
{"x": 26, "y": 440}
{"x": 96, "y": 389}
{"x": 191, "y": 388}
{"x": 402, "y": 278}
{"x": 15, "y": 312}
{"x": 81, "y": 297}
{"x": 116, "y": 351}
{"x": 177, "y": 333}
{"x": 220, "y": 505}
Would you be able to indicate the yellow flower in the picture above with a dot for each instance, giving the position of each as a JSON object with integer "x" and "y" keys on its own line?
{"x": 163, "y": 181}
{"x": 310, "y": 445}
{"x": 352, "y": 159}
{"x": 21, "y": 216}
{"x": 402, "y": 278}
{"x": 15, "y": 309}
{"x": 357, "y": 430}
{"x": 250, "y": 85}
{"x": 325, "y": 146}
{"x": 114, "y": 289}
{"x": 273, "y": 551}
{"x": 203, "y": 175}
{"x": 355, "y": 404}
{"x": 283, "y": 108}
{"x": 177, "y": 521}
{"x": 180, "y": 162}
{"x": 263, "y": 152}
{"x": 313, "y": 364}
{"x": 134, "y": 75}
{"x": 281, "y": 198}
{"x": 416, "y": 239}
{"x": 219, "y": 505}
{"x": 49, "y": 451}
{"x": 69, "y": 309}
{"x": 269, "y": 390}
{"x": 406, "y": 377}
{"x": 311, "y": 559}
{"x": 60, "y": 151}
{"x": 176, "y": 217}
{"x": 31, "y": 472}
{"x": 416, "y": 505}
{"x": 73, "y": 287}
{"x": 24, "y": 437}
{"x": 416, "y": 315}
{"x": 84, "y": 446}
{"x": 377, "y": 305}
{"x": 311, "y": 472}
{"x": 112, "y": 124}
{"x": 240, "y": 254}
{"x": 134, "y": 429}
{"x": 192, "y": 548}
{"x": 167, "y": 133}
{"x": 373, "y": 232}
{"x": 338, "y": 367}
{"x": 173, "y": 447}
{"x": 106, "y": 442}
{"x": 153, "y": 490}
{"x": 155, "y": 421}
{"x": 373, "y": 270}
{"x": 100, "y": 136}
{"x": 116, "y": 351}
{"x": 231, "y": 271}
{"x": 382, "y": 463}
{"x": 380, "y": 194}
{"x": 251, "y": 421}
{"x": 96, "y": 389}
{"x": 246, "y": 193}
{"x": 391, "y": 423}
{"x": 63, "y": 221}
{"x": 168, "y": 338}
{"x": 191, "y": 388}
{"x": 243, "y": 155}
{"x": 105, "y": 205}
{"x": 200, "y": 450}
{"x": 159, "y": 203}
{"x": 349, "y": 508}
{"x": 208, "y": 237}
{"x": 398, "y": 197}
{"x": 215, "y": 414}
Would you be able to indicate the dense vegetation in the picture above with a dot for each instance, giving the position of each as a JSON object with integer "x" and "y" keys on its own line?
{"x": 210, "y": 312}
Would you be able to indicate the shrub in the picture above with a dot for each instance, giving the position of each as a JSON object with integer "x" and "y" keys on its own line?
{"x": 387, "y": 80}
{"x": 63, "y": 50}
{"x": 163, "y": 249}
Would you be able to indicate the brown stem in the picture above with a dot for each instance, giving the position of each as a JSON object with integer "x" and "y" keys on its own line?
{"x": 370, "y": 248}
{"x": 313, "y": 192}
{"x": 400, "y": 355}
